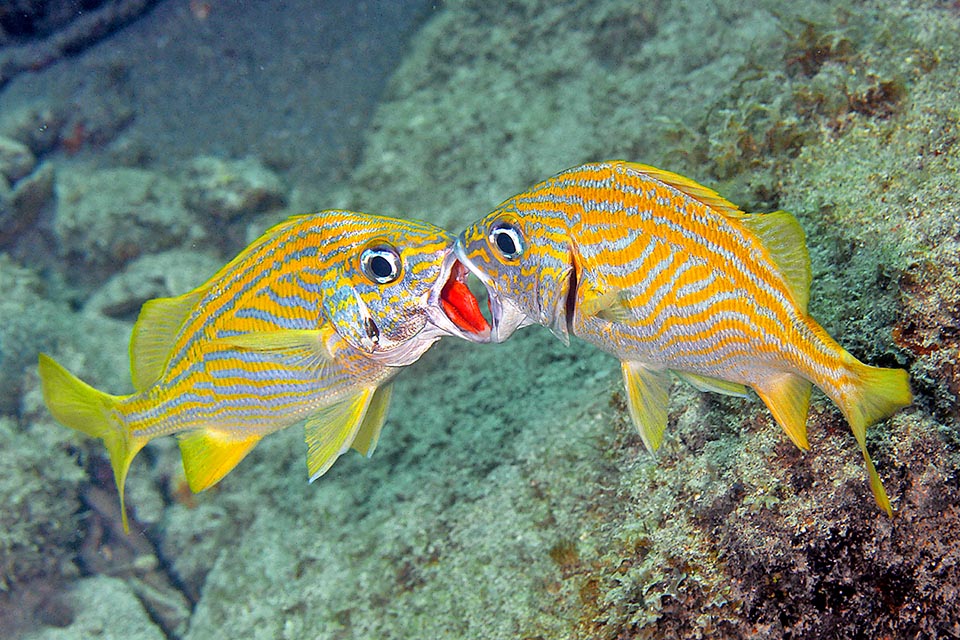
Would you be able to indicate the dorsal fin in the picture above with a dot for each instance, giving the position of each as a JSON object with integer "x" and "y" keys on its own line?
{"x": 783, "y": 237}
{"x": 695, "y": 190}
{"x": 779, "y": 231}
{"x": 267, "y": 236}
{"x": 161, "y": 319}
{"x": 153, "y": 335}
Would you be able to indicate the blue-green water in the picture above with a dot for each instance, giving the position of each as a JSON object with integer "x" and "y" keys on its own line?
{"x": 509, "y": 496}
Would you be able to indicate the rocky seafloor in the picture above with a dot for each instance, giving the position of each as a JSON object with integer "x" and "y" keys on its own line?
{"x": 509, "y": 496}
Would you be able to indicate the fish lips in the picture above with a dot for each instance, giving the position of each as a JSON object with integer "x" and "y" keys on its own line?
{"x": 452, "y": 308}
{"x": 506, "y": 316}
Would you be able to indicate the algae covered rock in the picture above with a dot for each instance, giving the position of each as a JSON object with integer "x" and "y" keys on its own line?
{"x": 38, "y": 126}
{"x": 16, "y": 159}
{"x": 21, "y": 205}
{"x": 100, "y": 607}
{"x": 39, "y": 499}
{"x": 166, "y": 274}
{"x": 25, "y": 189}
{"x": 106, "y": 218}
{"x": 225, "y": 190}
{"x": 29, "y": 323}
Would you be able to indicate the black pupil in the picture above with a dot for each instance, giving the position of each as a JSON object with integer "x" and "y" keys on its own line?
{"x": 381, "y": 267}
{"x": 505, "y": 242}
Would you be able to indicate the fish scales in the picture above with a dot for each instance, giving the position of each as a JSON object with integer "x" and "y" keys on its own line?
{"x": 310, "y": 322}
{"x": 667, "y": 276}
{"x": 587, "y": 203}
{"x": 242, "y": 286}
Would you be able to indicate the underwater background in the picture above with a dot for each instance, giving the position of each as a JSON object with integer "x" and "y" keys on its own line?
{"x": 142, "y": 144}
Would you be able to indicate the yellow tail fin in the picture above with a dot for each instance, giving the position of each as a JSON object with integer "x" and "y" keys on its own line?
{"x": 79, "y": 406}
{"x": 878, "y": 394}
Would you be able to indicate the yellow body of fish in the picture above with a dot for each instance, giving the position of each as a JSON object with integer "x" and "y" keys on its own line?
{"x": 668, "y": 276}
{"x": 312, "y": 321}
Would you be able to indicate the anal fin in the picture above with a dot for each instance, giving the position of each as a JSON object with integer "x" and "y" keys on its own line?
{"x": 332, "y": 430}
{"x": 647, "y": 397}
{"x": 788, "y": 398}
{"x": 210, "y": 455}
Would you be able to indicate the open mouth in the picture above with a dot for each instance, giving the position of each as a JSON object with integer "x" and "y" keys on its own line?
{"x": 460, "y": 305}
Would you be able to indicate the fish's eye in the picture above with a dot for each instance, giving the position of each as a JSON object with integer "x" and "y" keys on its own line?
{"x": 507, "y": 239}
{"x": 381, "y": 264}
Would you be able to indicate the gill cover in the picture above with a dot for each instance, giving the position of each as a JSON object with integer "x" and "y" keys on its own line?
{"x": 348, "y": 313}
{"x": 528, "y": 280}
{"x": 350, "y": 285}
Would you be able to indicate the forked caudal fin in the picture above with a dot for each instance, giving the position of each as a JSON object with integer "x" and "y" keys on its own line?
{"x": 79, "y": 406}
{"x": 877, "y": 394}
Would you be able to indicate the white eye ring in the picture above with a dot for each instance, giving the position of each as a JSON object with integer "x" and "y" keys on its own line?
{"x": 507, "y": 239}
{"x": 381, "y": 264}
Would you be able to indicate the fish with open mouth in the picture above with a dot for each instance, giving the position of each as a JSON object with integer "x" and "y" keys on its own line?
{"x": 311, "y": 322}
{"x": 666, "y": 275}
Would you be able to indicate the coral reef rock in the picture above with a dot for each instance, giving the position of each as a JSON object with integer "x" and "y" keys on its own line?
{"x": 31, "y": 324}
{"x": 225, "y": 190}
{"x": 39, "y": 527}
{"x": 166, "y": 274}
{"x": 107, "y": 218}
{"x": 16, "y": 159}
{"x": 100, "y": 607}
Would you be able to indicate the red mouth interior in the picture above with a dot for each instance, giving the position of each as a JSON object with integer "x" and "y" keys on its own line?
{"x": 460, "y": 305}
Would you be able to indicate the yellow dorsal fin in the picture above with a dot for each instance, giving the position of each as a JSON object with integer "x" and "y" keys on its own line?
{"x": 256, "y": 245}
{"x": 161, "y": 319}
{"x": 209, "y": 455}
{"x": 695, "y": 190}
{"x": 331, "y": 431}
{"x": 369, "y": 434}
{"x": 716, "y": 385}
{"x": 788, "y": 398}
{"x": 647, "y": 397}
{"x": 154, "y": 334}
{"x": 779, "y": 231}
{"x": 783, "y": 237}
{"x": 309, "y": 347}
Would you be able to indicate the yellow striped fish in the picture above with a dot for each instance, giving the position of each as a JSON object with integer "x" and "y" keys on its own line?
{"x": 668, "y": 276}
{"x": 311, "y": 321}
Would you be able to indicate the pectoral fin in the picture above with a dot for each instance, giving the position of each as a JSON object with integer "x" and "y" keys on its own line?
{"x": 788, "y": 398}
{"x": 210, "y": 455}
{"x": 647, "y": 397}
{"x": 307, "y": 347}
{"x": 607, "y": 305}
{"x": 331, "y": 431}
